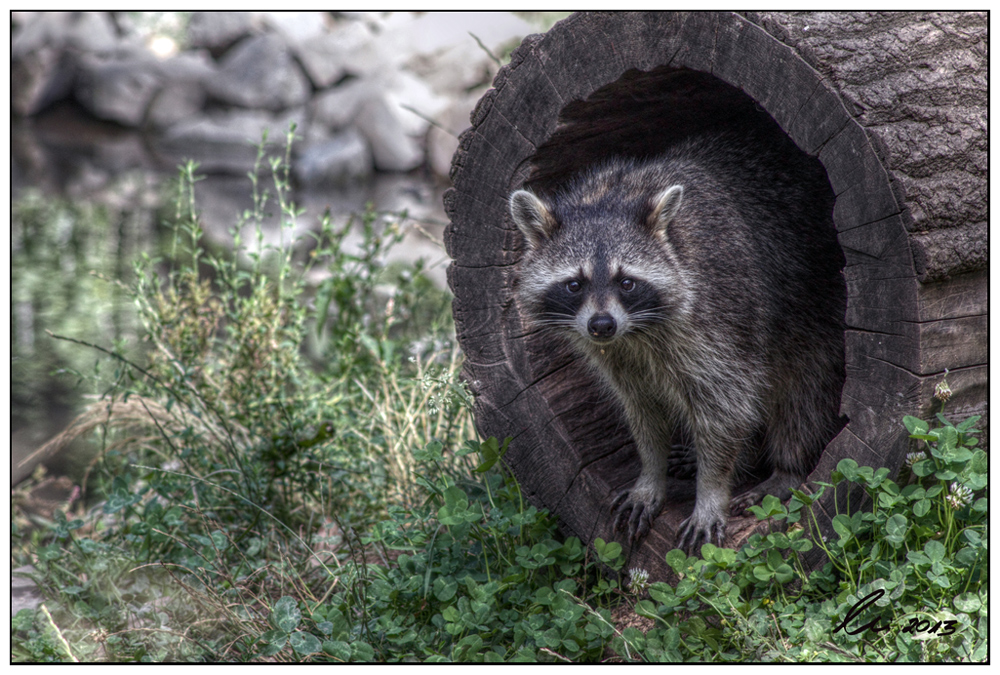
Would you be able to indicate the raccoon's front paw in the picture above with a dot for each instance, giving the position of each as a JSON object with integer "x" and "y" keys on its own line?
{"x": 780, "y": 485}
{"x": 636, "y": 508}
{"x": 698, "y": 530}
{"x": 739, "y": 504}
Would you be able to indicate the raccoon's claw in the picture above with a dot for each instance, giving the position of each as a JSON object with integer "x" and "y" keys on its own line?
{"x": 694, "y": 533}
{"x": 739, "y": 504}
{"x": 634, "y": 513}
{"x": 780, "y": 485}
{"x": 636, "y": 516}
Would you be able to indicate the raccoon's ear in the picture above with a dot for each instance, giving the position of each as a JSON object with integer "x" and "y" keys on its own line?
{"x": 668, "y": 203}
{"x": 532, "y": 217}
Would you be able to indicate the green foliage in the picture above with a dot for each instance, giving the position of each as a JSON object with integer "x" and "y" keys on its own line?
{"x": 62, "y": 256}
{"x": 255, "y": 507}
{"x": 478, "y": 577}
{"x": 38, "y": 641}
{"x": 922, "y": 543}
{"x": 229, "y": 454}
{"x": 919, "y": 555}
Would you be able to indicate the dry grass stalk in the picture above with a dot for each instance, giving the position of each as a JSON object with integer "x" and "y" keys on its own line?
{"x": 136, "y": 412}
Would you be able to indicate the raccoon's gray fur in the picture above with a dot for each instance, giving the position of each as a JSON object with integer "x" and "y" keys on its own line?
{"x": 704, "y": 286}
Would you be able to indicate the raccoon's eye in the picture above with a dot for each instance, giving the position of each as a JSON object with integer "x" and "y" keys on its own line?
{"x": 573, "y": 286}
{"x": 627, "y": 285}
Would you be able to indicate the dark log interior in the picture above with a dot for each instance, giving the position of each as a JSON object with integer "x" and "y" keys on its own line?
{"x": 641, "y": 114}
{"x": 633, "y": 82}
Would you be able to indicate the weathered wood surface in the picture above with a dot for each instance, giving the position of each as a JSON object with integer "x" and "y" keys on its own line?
{"x": 917, "y": 82}
{"x": 907, "y": 168}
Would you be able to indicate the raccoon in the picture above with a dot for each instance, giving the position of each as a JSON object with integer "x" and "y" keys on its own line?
{"x": 705, "y": 288}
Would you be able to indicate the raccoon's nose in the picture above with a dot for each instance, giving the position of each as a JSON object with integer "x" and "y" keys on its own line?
{"x": 601, "y": 326}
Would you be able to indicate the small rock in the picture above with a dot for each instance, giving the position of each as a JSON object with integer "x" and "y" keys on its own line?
{"x": 225, "y": 141}
{"x": 342, "y": 158}
{"x": 117, "y": 89}
{"x": 337, "y": 108}
{"x": 296, "y": 27}
{"x": 23, "y": 591}
{"x": 326, "y": 58}
{"x": 176, "y": 101}
{"x": 218, "y": 31}
{"x": 392, "y": 149}
{"x": 40, "y": 78}
{"x": 260, "y": 73}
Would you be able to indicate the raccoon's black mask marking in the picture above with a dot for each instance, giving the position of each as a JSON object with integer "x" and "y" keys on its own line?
{"x": 642, "y": 298}
{"x": 563, "y": 301}
{"x": 559, "y": 301}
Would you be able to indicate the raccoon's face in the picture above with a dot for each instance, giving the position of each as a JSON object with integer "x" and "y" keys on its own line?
{"x": 599, "y": 303}
{"x": 598, "y": 275}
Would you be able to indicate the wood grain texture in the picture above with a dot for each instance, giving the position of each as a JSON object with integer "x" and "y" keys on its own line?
{"x": 905, "y": 162}
{"x": 917, "y": 83}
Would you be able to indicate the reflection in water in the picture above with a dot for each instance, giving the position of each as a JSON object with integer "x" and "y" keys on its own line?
{"x": 116, "y": 187}
{"x": 65, "y": 153}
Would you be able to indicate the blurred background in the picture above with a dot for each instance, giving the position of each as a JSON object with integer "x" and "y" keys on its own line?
{"x": 106, "y": 106}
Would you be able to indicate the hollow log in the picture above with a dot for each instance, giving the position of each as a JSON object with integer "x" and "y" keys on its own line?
{"x": 892, "y": 104}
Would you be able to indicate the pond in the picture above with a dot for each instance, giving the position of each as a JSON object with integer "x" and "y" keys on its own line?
{"x": 89, "y": 197}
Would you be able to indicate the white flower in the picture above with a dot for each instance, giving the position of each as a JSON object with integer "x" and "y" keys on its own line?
{"x": 638, "y": 580}
{"x": 942, "y": 391}
{"x": 959, "y": 496}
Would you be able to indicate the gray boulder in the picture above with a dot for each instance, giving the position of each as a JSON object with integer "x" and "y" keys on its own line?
{"x": 189, "y": 65}
{"x": 455, "y": 70}
{"x": 337, "y": 107}
{"x": 118, "y": 89}
{"x": 225, "y": 141}
{"x": 183, "y": 94}
{"x": 392, "y": 149}
{"x": 40, "y": 78}
{"x": 43, "y": 55}
{"x": 326, "y": 58}
{"x": 82, "y": 31}
{"x": 217, "y": 31}
{"x": 342, "y": 158}
{"x": 176, "y": 101}
{"x": 296, "y": 27}
{"x": 413, "y": 101}
{"x": 260, "y": 73}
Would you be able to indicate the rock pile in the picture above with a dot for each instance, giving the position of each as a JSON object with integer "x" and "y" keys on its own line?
{"x": 368, "y": 91}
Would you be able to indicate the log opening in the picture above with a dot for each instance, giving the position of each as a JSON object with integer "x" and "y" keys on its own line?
{"x": 633, "y": 82}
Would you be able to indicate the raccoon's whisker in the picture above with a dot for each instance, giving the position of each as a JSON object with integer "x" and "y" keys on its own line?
{"x": 568, "y": 323}
{"x": 648, "y": 317}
